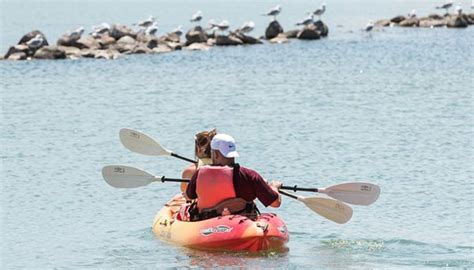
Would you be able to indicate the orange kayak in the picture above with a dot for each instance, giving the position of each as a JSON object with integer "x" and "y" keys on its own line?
{"x": 233, "y": 233}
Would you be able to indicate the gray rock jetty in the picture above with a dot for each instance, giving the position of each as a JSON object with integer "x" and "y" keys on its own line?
{"x": 434, "y": 20}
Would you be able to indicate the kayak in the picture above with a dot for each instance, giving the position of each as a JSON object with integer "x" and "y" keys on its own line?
{"x": 227, "y": 233}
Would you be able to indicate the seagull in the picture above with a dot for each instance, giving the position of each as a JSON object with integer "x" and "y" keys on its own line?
{"x": 223, "y": 25}
{"x": 196, "y": 16}
{"x": 178, "y": 30}
{"x": 308, "y": 20}
{"x": 151, "y": 30}
{"x": 147, "y": 23}
{"x": 247, "y": 27}
{"x": 446, "y": 6}
{"x": 458, "y": 9}
{"x": 76, "y": 34}
{"x": 412, "y": 14}
{"x": 320, "y": 11}
{"x": 369, "y": 26}
{"x": 273, "y": 12}
{"x": 100, "y": 29}
{"x": 35, "y": 42}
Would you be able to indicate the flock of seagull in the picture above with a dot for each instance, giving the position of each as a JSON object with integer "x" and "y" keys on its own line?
{"x": 150, "y": 26}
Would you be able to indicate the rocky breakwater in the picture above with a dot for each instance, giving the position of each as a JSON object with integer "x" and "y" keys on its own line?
{"x": 310, "y": 30}
{"x": 431, "y": 21}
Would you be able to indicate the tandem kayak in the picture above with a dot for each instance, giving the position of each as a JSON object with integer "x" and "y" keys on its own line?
{"x": 229, "y": 233}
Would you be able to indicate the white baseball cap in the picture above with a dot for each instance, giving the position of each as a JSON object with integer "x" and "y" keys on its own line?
{"x": 225, "y": 144}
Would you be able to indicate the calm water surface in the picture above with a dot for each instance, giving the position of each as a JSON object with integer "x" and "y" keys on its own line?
{"x": 394, "y": 107}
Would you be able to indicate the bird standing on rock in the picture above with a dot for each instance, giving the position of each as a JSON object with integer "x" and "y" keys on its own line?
{"x": 273, "y": 12}
{"x": 222, "y": 26}
{"x": 320, "y": 11}
{"x": 247, "y": 27}
{"x": 151, "y": 30}
{"x": 369, "y": 26}
{"x": 35, "y": 42}
{"x": 76, "y": 34}
{"x": 458, "y": 10}
{"x": 147, "y": 23}
{"x": 412, "y": 14}
{"x": 178, "y": 31}
{"x": 307, "y": 21}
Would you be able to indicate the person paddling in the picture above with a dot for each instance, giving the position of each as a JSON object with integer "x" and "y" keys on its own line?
{"x": 202, "y": 152}
{"x": 227, "y": 188}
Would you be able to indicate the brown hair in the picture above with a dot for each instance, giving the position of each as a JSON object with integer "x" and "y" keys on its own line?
{"x": 203, "y": 142}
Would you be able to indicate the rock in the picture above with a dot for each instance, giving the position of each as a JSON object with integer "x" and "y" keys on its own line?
{"x": 309, "y": 33}
{"x": 382, "y": 23}
{"x": 435, "y": 17}
{"x": 31, "y": 35}
{"x": 67, "y": 41}
{"x": 457, "y": 22}
{"x": 231, "y": 40}
{"x": 281, "y": 38}
{"x": 70, "y": 50}
{"x": 430, "y": 23}
{"x": 410, "y": 22}
{"x": 141, "y": 48}
{"x": 322, "y": 28}
{"x": 175, "y": 46}
{"x": 171, "y": 37}
{"x": 105, "y": 41}
{"x": 468, "y": 18}
{"x": 198, "y": 47}
{"x": 88, "y": 42}
{"x": 161, "y": 48}
{"x": 16, "y": 56}
{"x": 398, "y": 19}
{"x": 88, "y": 53}
{"x": 17, "y": 49}
{"x": 127, "y": 40}
{"x": 153, "y": 43}
{"x": 118, "y": 31}
{"x": 195, "y": 35}
{"x": 247, "y": 39}
{"x": 50, "y": 52}
{"x": 273, "y": 29}
{"x": 106, "y": 54}
{"x": 292, "y": 33}
{"x": 211, "y": 42}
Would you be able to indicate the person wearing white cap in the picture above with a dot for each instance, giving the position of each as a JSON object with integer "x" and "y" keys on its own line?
{"x": 226, "y": 181}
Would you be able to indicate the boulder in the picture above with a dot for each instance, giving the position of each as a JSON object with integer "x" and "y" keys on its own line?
{"x": 71, "y": 51}
{"x": 231, "y": 40}
{"x": 170, "y": 37}
{"x": 468, "y": 18}
{"x": 105, "y": 41}
{"x": 16, "y": 56}
{"x": 17, "y": 49}
{"x": 435, "y": 17}
{"x": 211, "y": 42}
{"x": 431, "y": 23}
{"x": 247, "y": 39}
{"x": 309, "y": 33}
{"x": 457, "y": 22}
{"x": 410, "y": 22}
{"x": 398, "y": 19}
{"x": 126, "y": 40}
{"x": 88, "y": 42}
{"x": 117, "y": 31}
{"x": 281, "y": 38}
{"x": 322, "y": 28}
{"x": 195, "y": 35}
{"x": 88, "y": 53}
{"x": 106, "y": 54}
{"x": 161, "y": 48}
{"x": 382, "y": 23}
{"x": 67, "y": 41}
{"x": 175, "y": 46}
{"x": 198, "y": 47}
{"x": 273, "y": 29}
{"x": 50, "y": 52}
{"x": 31, "y": 35}
{"x": 141, "y": 48}
{"x": 292, "y": 33}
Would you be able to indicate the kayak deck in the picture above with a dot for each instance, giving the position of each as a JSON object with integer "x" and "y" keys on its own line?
{"x": 231, "y": 233}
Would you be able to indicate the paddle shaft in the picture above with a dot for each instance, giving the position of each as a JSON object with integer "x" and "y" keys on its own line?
{"x": 183, "y": 158}
{"x": 288, "y": 194}
{"x": 296, "y": 188}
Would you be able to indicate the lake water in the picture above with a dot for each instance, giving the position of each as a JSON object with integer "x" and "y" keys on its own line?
{"x": 394, "y": 107}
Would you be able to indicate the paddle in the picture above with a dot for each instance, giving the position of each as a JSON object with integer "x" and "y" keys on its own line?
{"x": 120, "y": 176}
{"x": 141, "y": 143}
{"x": 359, "y": 193}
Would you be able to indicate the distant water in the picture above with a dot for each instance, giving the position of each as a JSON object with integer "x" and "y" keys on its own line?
{"x": 394, "y": 107}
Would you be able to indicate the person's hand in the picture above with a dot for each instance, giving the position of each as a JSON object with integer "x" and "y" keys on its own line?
{"x": 276, "y": 184}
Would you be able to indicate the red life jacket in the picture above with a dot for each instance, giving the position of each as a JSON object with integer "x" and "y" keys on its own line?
{"x": 213, "y": 185}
